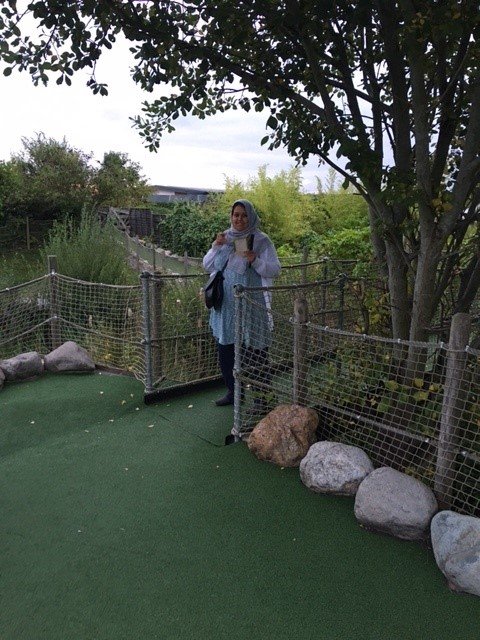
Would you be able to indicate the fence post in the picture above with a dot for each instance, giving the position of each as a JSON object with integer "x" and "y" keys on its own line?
{"x": 453, "y": 399}
{"x": 157, "y": 319}
{"x": 185, "y": 262}
{"x": 237, "y": 368}
{"x": 341, "y": 300}
{"x": 54, "y": 322}
{"x": 145, "y": 279}
{"x": 154, "y": 256}
{"x": 300, "y": 333}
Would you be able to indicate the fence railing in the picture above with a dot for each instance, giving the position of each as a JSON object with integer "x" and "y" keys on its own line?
{"x": 158, "y": 330}
{"x": 411, "y": 406}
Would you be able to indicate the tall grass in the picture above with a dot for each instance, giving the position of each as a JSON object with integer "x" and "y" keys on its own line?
{"x": 88, "y": 250}
{"x": 17, "y": 267}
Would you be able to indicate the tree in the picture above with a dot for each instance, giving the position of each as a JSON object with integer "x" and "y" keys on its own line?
{"x": 9, "y": 187}
{"x": 118, "y": 182}
{"x": 53, "y": 178}
{"x": 393, "y": 88}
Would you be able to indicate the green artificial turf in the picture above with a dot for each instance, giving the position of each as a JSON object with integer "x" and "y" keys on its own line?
{"x": 118, "y": 523}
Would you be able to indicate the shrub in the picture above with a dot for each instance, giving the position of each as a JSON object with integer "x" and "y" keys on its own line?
{"x": 190, "y": 227}
{"x": 88, "y": 251}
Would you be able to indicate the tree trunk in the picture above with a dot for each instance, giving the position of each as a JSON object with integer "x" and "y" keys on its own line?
{"x": 378, "y": 243}
{"x": 423, "y": 294}
{"x": 398, "y": 286}
{"x": 422, "y": 306}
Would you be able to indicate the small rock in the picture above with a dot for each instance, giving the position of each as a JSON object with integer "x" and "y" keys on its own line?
{"x": 69, "y": 357}
{"x": 456, "y": 546}
{"x": 284, "y": 435}
{"x": 23, "y": 366}
{"x": 335, "y": 468}
{"x": 394, "y": 503}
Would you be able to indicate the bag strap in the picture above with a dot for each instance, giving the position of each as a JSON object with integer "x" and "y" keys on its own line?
{"x": 224, "y": 266}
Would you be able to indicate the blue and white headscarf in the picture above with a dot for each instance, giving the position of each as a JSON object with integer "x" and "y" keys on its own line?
{"x": 253, "y": 221}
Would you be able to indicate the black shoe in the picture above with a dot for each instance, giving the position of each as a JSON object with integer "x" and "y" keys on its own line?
{"x": 226, "y": 400}
{"x": 231, "y": 439}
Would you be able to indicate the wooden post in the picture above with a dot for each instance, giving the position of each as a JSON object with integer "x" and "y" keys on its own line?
{"x": 154, "y": 265}
{"x": 453, "y": 400}
{"x": 324, "y": 286}
{"x": 300, "y": 335}
{"x": 157, "y": 363}
{"x": 145, "y": 279}
{"x": 185, "y": 262}
{"x": 341, "y": 301}
{"x": 54, "y": 322}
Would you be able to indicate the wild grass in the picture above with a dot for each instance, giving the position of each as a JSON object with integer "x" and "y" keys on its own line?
{"x": 87, "y": 250}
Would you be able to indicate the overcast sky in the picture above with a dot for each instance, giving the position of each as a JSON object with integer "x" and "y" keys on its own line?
{"x": 200, "y": 153}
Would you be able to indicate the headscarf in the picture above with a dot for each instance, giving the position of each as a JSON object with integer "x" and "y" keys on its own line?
{"x": 253, "y": 221}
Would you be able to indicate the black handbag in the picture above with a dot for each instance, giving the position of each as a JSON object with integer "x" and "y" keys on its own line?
{"x": 213, "y": 290}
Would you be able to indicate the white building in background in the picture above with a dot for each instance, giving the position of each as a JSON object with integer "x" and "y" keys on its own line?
{"x": 163, "y": 193}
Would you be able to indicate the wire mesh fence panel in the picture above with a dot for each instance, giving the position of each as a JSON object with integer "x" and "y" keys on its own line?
{"x": 323, "y": 269}
{"x": 24, "y": 318}
{"x": 183, "y": 349}
{"x": 104, "y": 319}
{"x": 411, "y": 406}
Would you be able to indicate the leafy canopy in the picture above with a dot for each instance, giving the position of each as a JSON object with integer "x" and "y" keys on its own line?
{"x": 50, "y": 179}
{"x": 392, "y": 89}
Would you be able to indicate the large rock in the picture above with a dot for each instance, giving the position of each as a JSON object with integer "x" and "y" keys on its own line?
{"x": 69, "y": 357}
{"x": 23, "y": 366}
{"x": 284, "y": 435}
{"x": 332, "y": 467}
{"x": 456, "y": 546}
{"x": 395, "y": 503}
{"x": 2, "y": 378}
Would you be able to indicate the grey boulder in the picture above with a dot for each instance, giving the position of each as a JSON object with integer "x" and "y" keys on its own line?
{"x": 335, "y": 468}
{"x": 2, "y": 378}
{"x": 394, "y": 503}
{"x": 69, "y": 357}
{"x": 23, "y": 366}
{"x": 456, "y": 546}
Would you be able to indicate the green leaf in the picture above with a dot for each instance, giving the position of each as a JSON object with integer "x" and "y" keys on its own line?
{"x": 272, "y": 122}
{"x": 420, "y": 396}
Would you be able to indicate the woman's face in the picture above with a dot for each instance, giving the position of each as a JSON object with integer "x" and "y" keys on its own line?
{"x": 239, "y": 218}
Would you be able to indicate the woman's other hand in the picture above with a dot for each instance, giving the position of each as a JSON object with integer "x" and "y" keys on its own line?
{"x": 250, "y": 256}
{"x": 220, "y": 239}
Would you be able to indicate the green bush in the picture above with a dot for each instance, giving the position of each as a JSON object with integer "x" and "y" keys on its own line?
{"x": 88, "y": 251}
{"x": 346, "y": 244}
{"x": 283, "y": 208}
{"x": 337, "y": 211}
{"x": 190, "y": 227}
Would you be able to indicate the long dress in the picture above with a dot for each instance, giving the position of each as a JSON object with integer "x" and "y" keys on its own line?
{"x": 256, "y": 320}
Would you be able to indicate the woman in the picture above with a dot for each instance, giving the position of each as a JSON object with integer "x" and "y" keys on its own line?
{"x": 251, "y": 260}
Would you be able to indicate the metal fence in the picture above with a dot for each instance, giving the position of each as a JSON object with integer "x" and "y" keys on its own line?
{"x": 411, "y": 406}
{"x": 158, "y": 330}
{"x": 106, "y": 320}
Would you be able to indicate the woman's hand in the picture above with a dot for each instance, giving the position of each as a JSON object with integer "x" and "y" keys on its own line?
{"x": 220, "y": 239}
{"x": 250, "y": 256}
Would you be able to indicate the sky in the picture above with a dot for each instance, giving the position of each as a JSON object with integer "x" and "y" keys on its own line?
{"x": 200, "y": 153}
